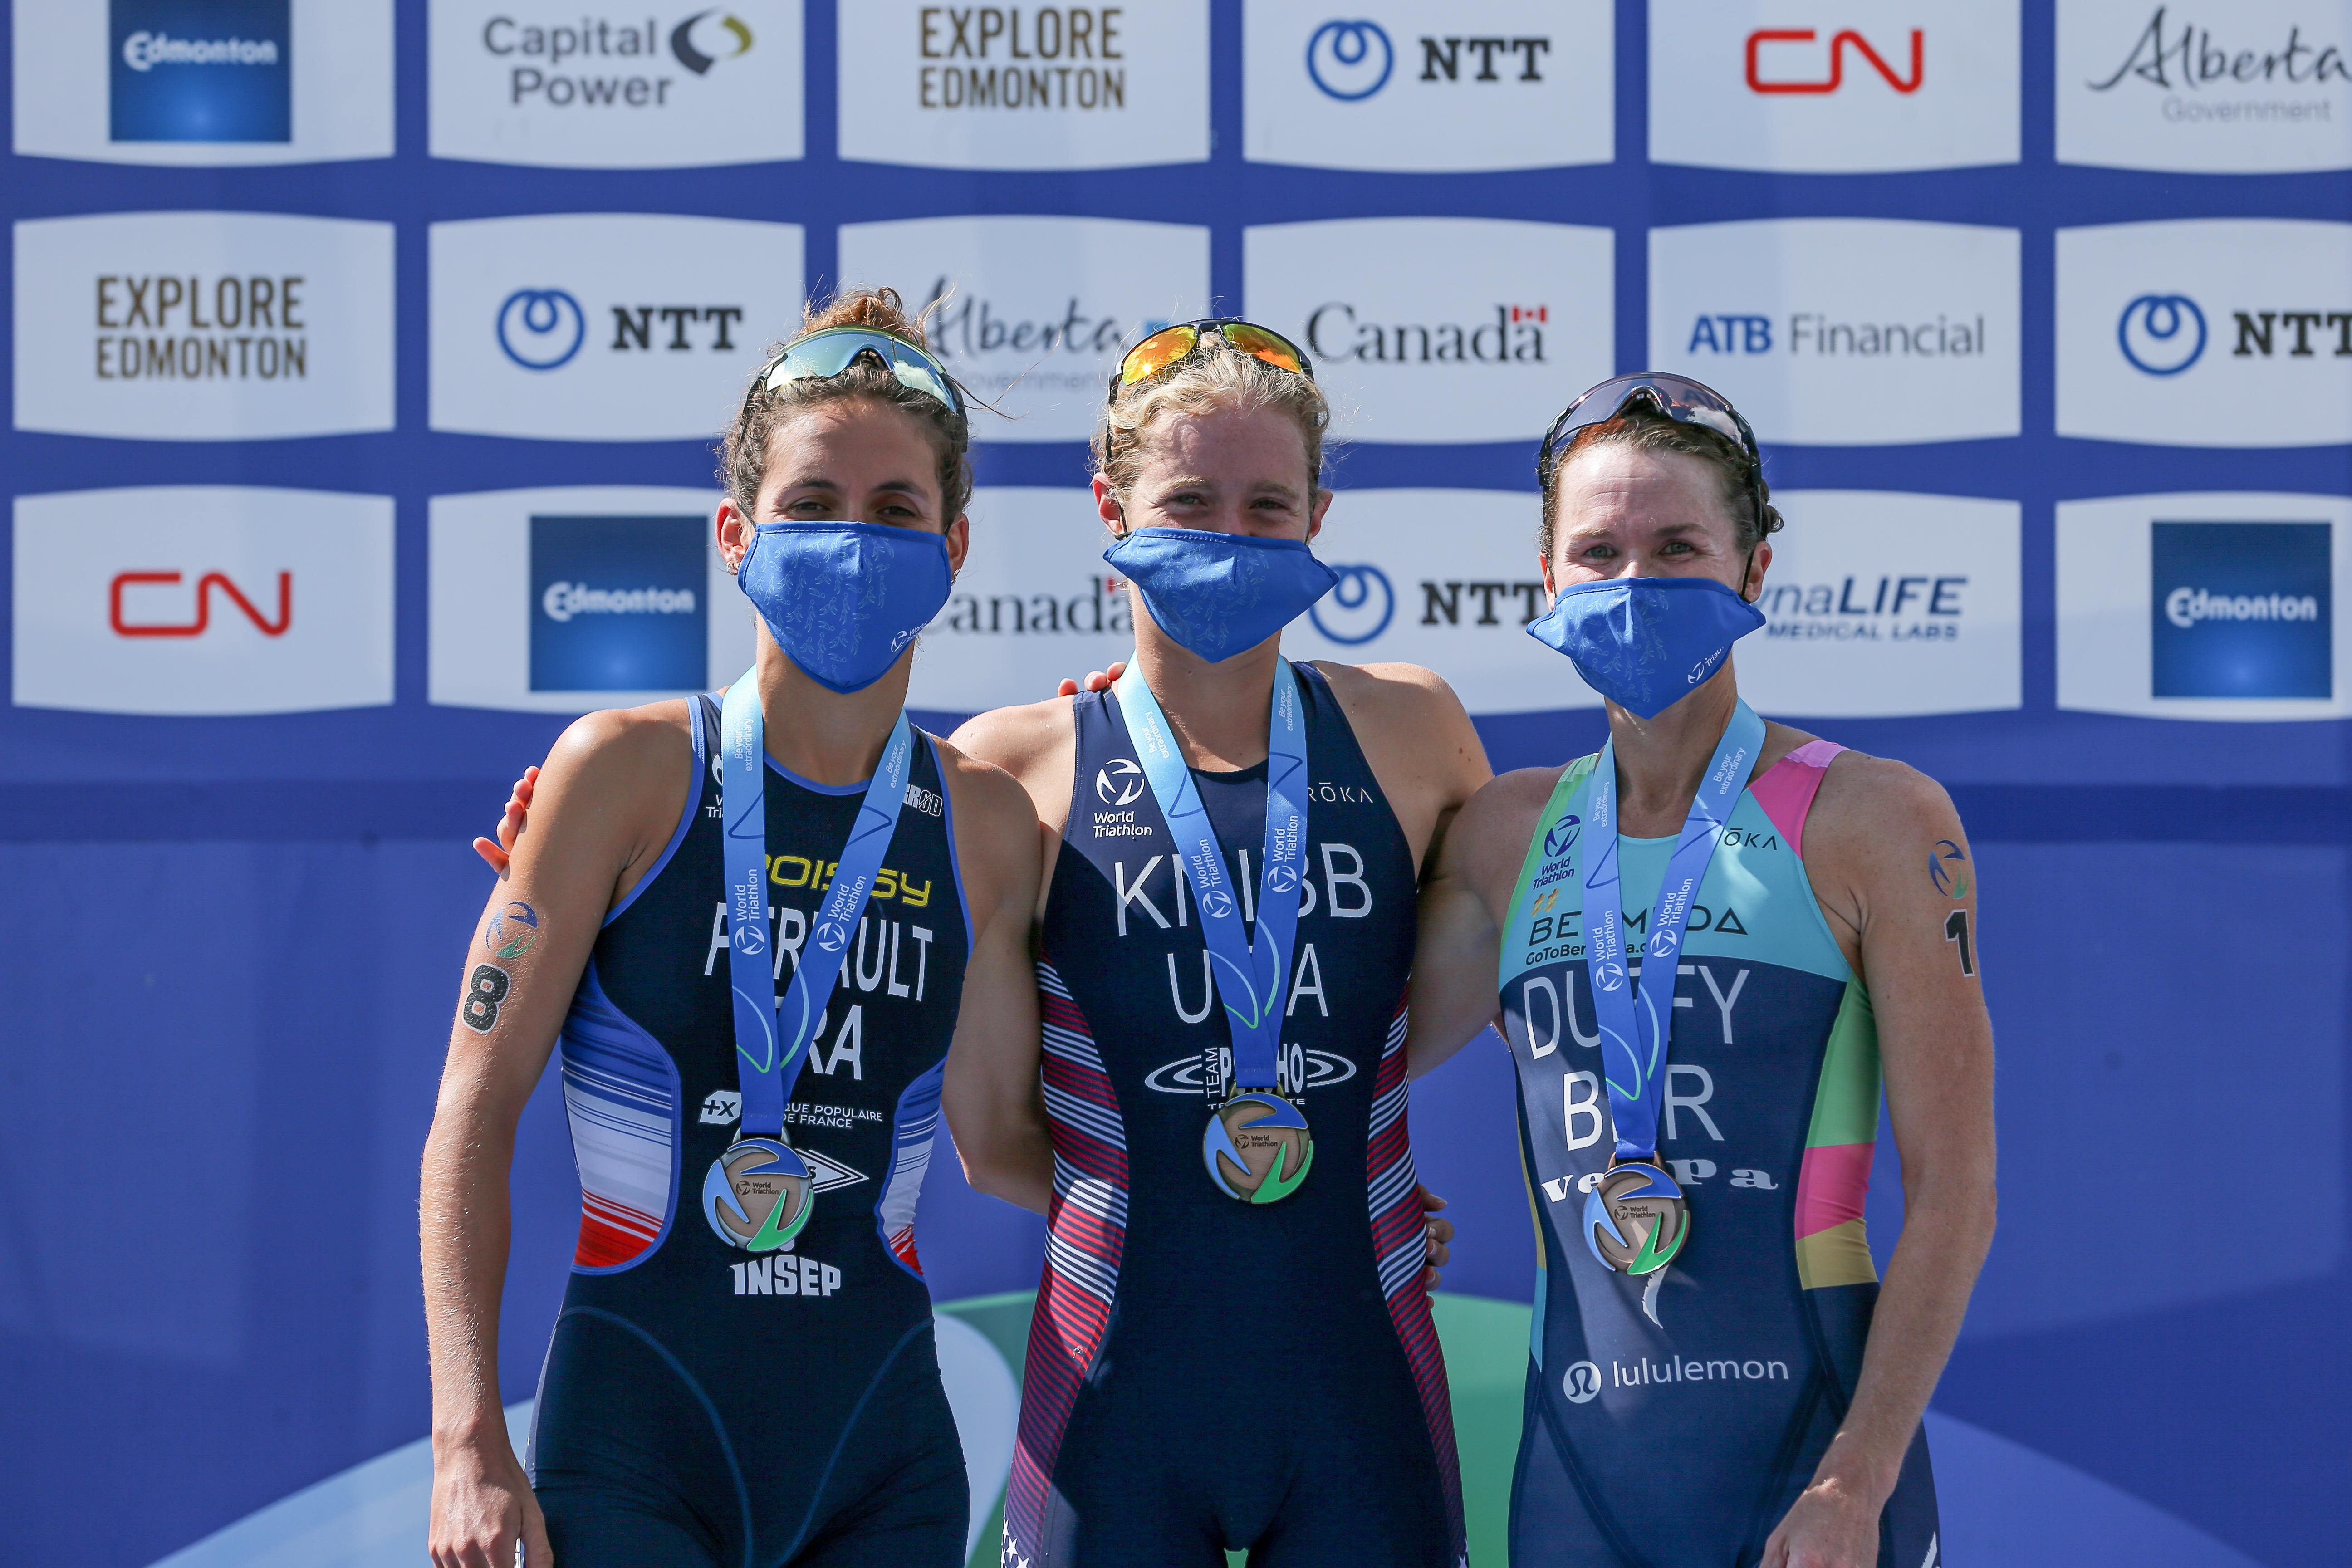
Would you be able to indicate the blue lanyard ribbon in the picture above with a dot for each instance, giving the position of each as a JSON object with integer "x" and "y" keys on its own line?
{"x": 1252, "y": 979}
{"x": 772, "y": 1036}
{"x": 1635, "y": 1030}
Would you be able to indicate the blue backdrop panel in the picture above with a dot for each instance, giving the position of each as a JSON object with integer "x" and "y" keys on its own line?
{"x": 229, "y": 947}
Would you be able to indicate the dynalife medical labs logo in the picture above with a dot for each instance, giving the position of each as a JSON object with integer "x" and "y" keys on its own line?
{"x": 200, "y": 71}
{"x": 618, "y": 603}
{"x": 2241, "y": 609}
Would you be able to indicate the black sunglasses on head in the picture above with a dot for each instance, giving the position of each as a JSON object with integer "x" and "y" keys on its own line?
{"x": 1677, "y": 397}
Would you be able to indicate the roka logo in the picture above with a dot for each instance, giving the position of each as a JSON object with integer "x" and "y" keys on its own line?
{"x": 1838, "y": 44}
{"x": 124, "y": 626}
{"x": 1119, "y": 782}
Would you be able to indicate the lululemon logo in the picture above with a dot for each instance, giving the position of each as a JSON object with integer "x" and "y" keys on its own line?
{"x": 541, "y": 329}
{"x": 1582, "y": 1383}
{"x": 1119, "y": 782}
{"x": 2161, "y": 334}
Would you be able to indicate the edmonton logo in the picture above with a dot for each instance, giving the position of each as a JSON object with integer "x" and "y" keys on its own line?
{"x": 219, "y": 72}
{"x": 1058, "y": 58}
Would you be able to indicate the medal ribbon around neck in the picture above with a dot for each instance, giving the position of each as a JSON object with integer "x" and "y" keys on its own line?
{"x": 1252, "y": 978}
{"x": 772, "y": 1035}
{"x": 1635, "y": 1029}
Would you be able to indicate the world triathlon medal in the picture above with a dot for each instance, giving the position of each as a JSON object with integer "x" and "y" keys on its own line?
{"x": 757, "y": 1196}
{"x": 1635, "y": 1218}
{"x": 1258, "y": 1148}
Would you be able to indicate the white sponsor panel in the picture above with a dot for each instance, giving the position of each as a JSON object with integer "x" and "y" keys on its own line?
{"x": 2218, "y": 86}
{"x": 1882, "y": 604}
{"x": 1033, "y": 603}
{"x": 507, "y": 580}
{"x": 1844, "y": 331}
{"x": 2212, "y": 333}
{"x": 1833, "y": 86}
{"x": 203, "y": 326}
{"x": 592, "y": 326}
{"x": 1417, "y": 85}
{"x": 202, "y": 599}
{"x": 2205, "y": 606}
{"x": 138, "y": 89}
{"x": 1439, "y": 328}
{"x": 1032, "y": 313}
{"x": 1019, "y": 87}
{"x": 1446, "y": 579}
{"x": 590, "y": 87}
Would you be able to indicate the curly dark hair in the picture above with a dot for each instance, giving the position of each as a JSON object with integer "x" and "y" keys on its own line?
{"x": 743, "y": 449}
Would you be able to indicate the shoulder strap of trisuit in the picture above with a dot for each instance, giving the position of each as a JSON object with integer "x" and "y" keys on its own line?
{"x": 1572, "y": 779}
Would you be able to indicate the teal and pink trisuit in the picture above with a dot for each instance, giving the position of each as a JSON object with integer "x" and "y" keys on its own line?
{"x": 1672, "y": 1420}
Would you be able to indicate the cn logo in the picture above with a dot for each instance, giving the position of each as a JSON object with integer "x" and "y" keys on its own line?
{"x": 124, "y": 626}
{"x": 1762, "y": 35}
{"x": 1582, "y": 1383}
{"x": 1119, "y": 782}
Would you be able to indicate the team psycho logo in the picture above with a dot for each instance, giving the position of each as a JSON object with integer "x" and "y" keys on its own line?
{"x": 1793, "y": 48}
{"x": 225, "y": 78}
{"x": 1351, "y": 61}
{"x": 545, "y": 329}
{"x": 2165, "y": 334}
{"x": 597, "y": 63}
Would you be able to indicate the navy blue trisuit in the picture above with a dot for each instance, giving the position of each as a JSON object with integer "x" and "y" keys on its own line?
{"x": 1205, "y": 1374}
{"x": 706, "y": 1408}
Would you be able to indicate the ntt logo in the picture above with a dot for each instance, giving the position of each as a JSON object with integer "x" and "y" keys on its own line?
{"x": 2184, "y": 607}
{"x": 564, "y": 600}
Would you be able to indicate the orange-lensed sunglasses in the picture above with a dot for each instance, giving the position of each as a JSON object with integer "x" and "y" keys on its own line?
{"x": 1169, "y": 345}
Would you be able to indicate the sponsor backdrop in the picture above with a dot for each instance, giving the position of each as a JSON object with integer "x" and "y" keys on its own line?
{"x": 365, "y": 358}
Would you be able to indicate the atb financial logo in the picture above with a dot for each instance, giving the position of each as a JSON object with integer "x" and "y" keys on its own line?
{"x": 2251, "y": 87}
{"x": 583, "y": 88}
{"x": 1497, "y": 85}
{"x": 200, "y": 71}
{"x": 618, "y": 605}
{"x": 2241, "y": 609}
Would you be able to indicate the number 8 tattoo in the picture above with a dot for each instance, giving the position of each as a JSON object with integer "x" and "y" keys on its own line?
{"x": 485, "y": 989}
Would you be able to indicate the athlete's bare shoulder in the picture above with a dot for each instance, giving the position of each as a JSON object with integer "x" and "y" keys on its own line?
{"x": 995, "y": 829}
{"x": 1019, "y": 739}
{"x": 613, "y": 787}
{"x": 1866, "y": 799}
{"x": 1413, "y": 731}
{"x": 625, "y": 748}
{"x": 1488, "y": 842}
{"x": 1385, "y": 694}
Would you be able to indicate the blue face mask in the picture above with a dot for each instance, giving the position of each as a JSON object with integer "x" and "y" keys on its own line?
{"x": 843, "y": 599}
{"x": 1647, "y": 643}
{"x": 1220, "y": 594}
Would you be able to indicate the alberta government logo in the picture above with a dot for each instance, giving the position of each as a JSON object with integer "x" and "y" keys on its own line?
{"x": 594, "y": 62}
{"x": 618, "y": 603}
{"x": 1353, "y": 60}
{"x": 2241, "y": 609}
{"x": 200, "y": 71}
{"x": 2202, "y": 82}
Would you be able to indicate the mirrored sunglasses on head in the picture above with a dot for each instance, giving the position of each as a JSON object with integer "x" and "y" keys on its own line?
{"x": 1677, "y": 397}
{"x": 1171, "y": 345}
{"x": 829, "y": 351}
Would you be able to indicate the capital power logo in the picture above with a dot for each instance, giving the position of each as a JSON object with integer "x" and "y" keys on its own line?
{"x": 1502, "y": 84}
{"x": 2249, "y": 87}
{"x": 203, "y": 326}
{"x": 1887, "y": 604}
{"x": 2212, "y": 606}
{"x": 701, "y": 84}
{"x": 604, "y": 328}
{"x": 1837, "y": 86}
{"x": 619, "y": 603}
{"x": 1050, "y": 87}
{"x": 203, "y": 600}
{"x": 200, "y": 71}
{"x": 2206, "y": 333}
{"x": 1032, "y": 313}
{"x": 1784, "y": 315}
{"x": 1439, "y": 328}
{"x": 563, "y": 600}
